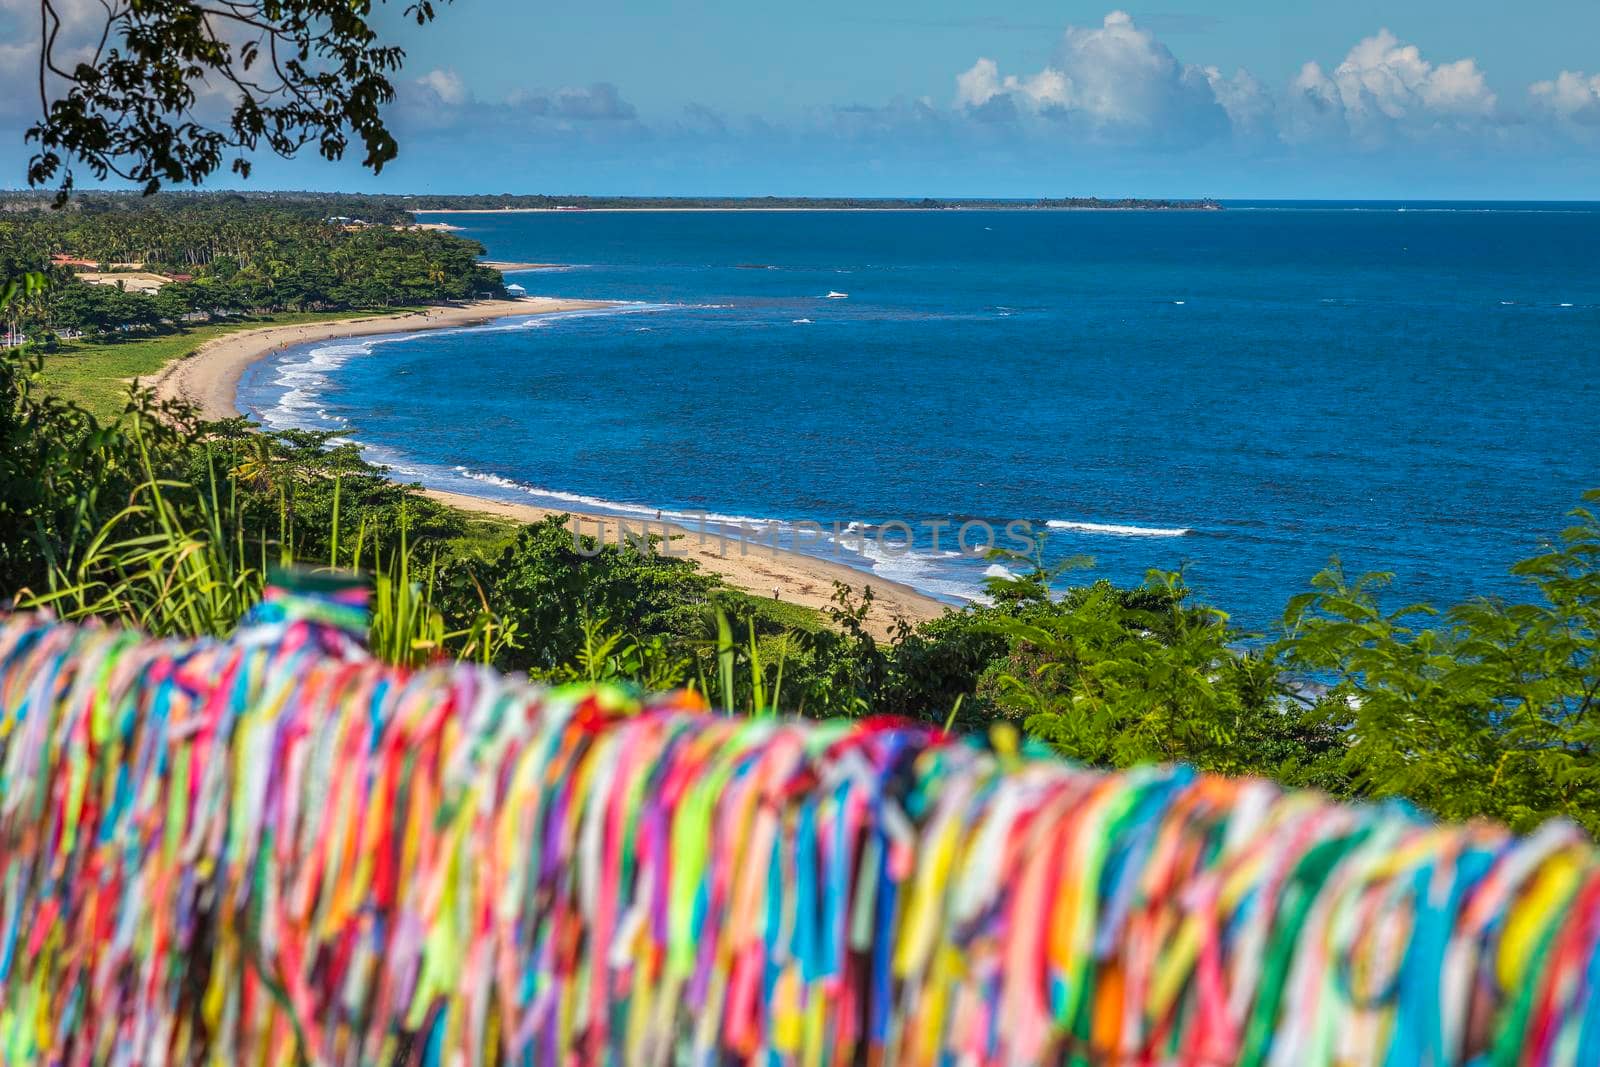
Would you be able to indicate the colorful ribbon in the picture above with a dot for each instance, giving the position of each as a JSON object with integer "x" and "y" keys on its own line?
{"x": 277, "y": 850}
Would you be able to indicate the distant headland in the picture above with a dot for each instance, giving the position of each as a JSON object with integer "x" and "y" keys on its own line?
{"x": 508, "y": 202}
{"x": 400, "y": 208}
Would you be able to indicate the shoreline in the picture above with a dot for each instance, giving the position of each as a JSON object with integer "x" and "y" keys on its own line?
{"x": 209, "y": 378}
{"x": 897, "y": 210}
{"x": 752, "y": 567}
{"x": 506, "y": 266}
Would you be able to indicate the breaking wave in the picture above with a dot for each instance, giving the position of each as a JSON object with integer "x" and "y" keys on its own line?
{"x": 1118, "y": 530}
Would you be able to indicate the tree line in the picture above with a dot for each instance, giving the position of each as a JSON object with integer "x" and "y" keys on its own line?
{"x": 228, "y": 255}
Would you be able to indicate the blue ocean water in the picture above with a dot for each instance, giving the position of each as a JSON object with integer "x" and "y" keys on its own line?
{"x": 1247, "y": 393}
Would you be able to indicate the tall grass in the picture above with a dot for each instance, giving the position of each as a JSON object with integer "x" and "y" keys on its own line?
{"x": 751, "y": 691}
{"x": 173, "y": 561}
{"x": 176, "y": 561}
{"x": 407, "y": 626}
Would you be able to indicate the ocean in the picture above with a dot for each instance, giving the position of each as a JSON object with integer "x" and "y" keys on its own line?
{"x": 1245, "y": 394}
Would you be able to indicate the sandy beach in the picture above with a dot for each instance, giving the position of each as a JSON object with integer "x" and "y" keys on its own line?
{"x": 756, "y": 568}
{"x": 506, "y": 266}
{"x": 898, "y": 209}
{"x": 646, "y": 210}
{"x": 209, "y": 378}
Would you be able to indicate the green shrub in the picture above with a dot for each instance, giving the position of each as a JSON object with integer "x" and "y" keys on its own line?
{"x": 1117, "y": 677}
{"x": 1491, "y": 708}
{"x": 547, "y": 584}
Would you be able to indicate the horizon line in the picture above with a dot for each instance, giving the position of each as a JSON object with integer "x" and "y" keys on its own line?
{"x": 886, "y": 198}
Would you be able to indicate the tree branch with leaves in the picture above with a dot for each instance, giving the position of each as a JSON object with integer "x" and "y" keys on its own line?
{"x": 283, "y": 74}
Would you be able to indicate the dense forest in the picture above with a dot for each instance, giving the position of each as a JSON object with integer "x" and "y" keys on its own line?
{"x": 220, "y": 254}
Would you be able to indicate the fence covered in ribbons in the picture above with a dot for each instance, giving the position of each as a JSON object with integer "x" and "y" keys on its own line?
{"x": 275, "y": 849}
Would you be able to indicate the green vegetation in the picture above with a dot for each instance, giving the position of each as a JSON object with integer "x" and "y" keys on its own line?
{"x": 230, "y": 263}
{"x": 390, "y": 208}
{"x": 291, "y": 73}
{"x": 96, "y": 374}
{"x": 137, "y": 513}
{"x": 504, "y": 201}
{"x": 212, "y": 260}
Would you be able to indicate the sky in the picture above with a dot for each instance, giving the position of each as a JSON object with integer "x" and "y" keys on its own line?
{"x": 1415, "y": 99}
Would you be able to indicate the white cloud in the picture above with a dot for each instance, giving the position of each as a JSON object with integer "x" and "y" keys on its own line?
{"x": 910, "y": 120}
{"x": 1114, "y": 81}
{"x": 1459, "y": 89}
{"x": 1570, "y": 96}
{"x": 19, "y": 64}
{"x": 1117, "y": 83}
{"x": 1248, "y": 105}
{"x": 1089, "y": 93}
{"x": 446, "y": 85}
{"x": 441, "y": 99}
{"x": 81, "y": 23}
{"x": 1122, "y": 76}
{"x": 981, "y": 84}
{"x": 1384, "y": 86}
{"x": 599, "y": 101}
{"x": 703, "y": 120}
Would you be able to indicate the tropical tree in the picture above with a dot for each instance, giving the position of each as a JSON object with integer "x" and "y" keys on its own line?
{"x": 295, "y": 72}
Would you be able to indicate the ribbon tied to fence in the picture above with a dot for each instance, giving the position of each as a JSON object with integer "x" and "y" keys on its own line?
{"x": 275, "y": 849}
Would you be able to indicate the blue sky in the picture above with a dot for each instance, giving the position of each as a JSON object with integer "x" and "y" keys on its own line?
{"x": 1247, "y": 98}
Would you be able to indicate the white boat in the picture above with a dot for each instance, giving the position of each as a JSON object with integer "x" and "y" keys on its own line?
{"x": 834, "y": 294}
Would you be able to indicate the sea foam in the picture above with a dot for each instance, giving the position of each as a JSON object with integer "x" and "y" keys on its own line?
{"x": 1118, "y": 529}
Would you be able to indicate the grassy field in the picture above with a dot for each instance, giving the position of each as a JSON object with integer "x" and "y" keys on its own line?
{"x": 96, "y": 374}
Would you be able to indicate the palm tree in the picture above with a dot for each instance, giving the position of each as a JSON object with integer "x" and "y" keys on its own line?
{"x": 258, "y": 467}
